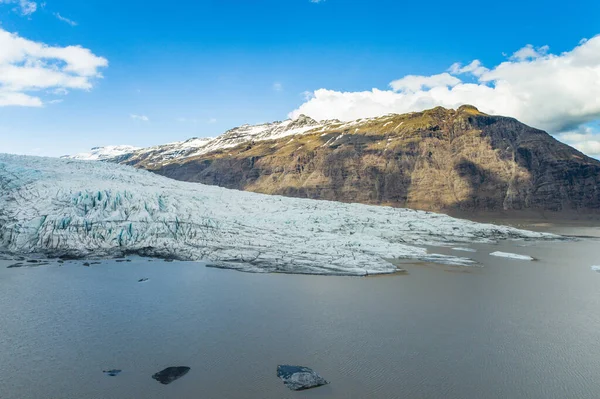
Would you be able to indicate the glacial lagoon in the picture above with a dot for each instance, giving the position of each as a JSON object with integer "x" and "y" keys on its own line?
{"x": 507, "y": 328}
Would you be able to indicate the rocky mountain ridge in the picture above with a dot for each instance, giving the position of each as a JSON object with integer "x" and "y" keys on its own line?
{"x": 439, "y": 159}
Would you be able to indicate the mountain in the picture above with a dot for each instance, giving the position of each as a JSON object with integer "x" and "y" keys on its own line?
{"x": 439, "y": 159}
{"x": 78, "y": 209}
{"x": 104, "y": 153}
{"x": 163, "y": 154}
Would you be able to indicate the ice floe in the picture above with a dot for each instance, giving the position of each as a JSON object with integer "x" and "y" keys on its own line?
{"x": 511, "y": 256}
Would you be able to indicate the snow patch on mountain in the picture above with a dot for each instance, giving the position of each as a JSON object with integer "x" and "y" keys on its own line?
{"x": 103, "y": 153}
{"x": 61, "y": 207}
{"x": 197, "y": 146}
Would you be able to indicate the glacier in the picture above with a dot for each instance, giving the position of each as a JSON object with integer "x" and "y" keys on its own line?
{"x": 87, "y": 209}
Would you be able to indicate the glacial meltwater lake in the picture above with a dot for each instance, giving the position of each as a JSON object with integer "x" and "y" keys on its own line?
{"x": 509, "y": 329}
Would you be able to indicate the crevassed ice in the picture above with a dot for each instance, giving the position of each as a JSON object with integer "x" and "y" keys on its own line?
{"x": 88, "y": 209}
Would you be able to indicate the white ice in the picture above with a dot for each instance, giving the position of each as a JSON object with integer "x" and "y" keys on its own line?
{"x": 511, "y": 256}
{"x": 96, "y": 209}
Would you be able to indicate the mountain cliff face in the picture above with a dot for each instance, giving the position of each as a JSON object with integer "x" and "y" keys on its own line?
{"x": 439, "y": 160}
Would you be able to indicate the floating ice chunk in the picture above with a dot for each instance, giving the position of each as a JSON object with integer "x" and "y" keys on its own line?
{"x": 596, "y": 268}
{"x": 511, "y": 256}
{"x": 464, "y": 249}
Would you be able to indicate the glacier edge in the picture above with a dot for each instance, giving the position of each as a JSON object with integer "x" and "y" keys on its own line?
{"x": 61, "y": 207}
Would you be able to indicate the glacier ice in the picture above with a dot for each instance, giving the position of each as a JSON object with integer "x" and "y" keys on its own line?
{"x": 511, "y": 256}
{"x": 62, "y": 207}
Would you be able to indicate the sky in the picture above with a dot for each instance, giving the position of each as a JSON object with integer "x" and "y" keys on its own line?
{"x": 81, "y": 74}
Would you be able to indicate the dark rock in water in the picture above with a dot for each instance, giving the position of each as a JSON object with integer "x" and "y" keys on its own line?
{"x": 142, "y": 280}
{"x": 32, "y": 261}
{"x": 170, "y": 374}
{"x": 96, "y": 263}
{"x": 168, "y": 260}
{"x": 112, "y": 373}
{"x": 86, "y": 264}
{"x": 15, "y": 266}
{"x": 61, "y": 261}
{"x": 120, "y": 260}
{"x": 298, "y": 378}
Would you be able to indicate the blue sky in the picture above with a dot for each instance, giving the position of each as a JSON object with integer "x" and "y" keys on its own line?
{"x": 197, "y": 68}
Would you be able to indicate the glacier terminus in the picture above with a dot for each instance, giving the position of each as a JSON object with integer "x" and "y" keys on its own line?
{"x": 86, "y": 209}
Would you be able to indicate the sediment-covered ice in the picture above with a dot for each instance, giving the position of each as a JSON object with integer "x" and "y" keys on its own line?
{"x": 511, "y": 256}
{"x": 61, "y": 207}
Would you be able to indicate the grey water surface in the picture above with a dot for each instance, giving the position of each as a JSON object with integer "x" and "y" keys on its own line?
{"x": 509, "y": 329}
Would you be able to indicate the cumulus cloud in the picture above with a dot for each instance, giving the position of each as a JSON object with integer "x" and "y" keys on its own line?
{"x": 584, "y": 139}
{"x": 64, "y": 19}
{"x": 277, "y": 86}
{"x": 554, "y": 92}
{"x": 27, "y": 67}
{"x": 142, "y": 118}
{"x": 475, "y": 68}
{"x": 413, "y": 83}
{"x": 25, "y": 7}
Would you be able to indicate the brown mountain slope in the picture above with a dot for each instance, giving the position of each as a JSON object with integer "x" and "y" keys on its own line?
{"x": 439, "y": 159}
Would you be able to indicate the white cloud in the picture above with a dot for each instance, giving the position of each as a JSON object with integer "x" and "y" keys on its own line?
{"x": 584, "y": 139}
{"x": 316, "y": 1}
{"x": 554, "y": 92}
{"x": 475, "y": 68}
{"x": 61, "y": 91}
{"x": 27, "y": 67}
{"x": 277, "y": 86}
{"x": 413, "y": 83}
{"x": 307, "y": 95}
{"x": 530, "y": 53}
{"x": 20, "y": 99}
{"x": 64, "y": 19}
{"x": 25, "y": 7}
{"x": 212, "y": 120}
{"x": 142, "y": 118}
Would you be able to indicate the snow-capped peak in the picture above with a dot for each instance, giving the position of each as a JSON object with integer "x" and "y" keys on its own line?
{"x": 103, "y": 153}
{"x": 198, "y": 146}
